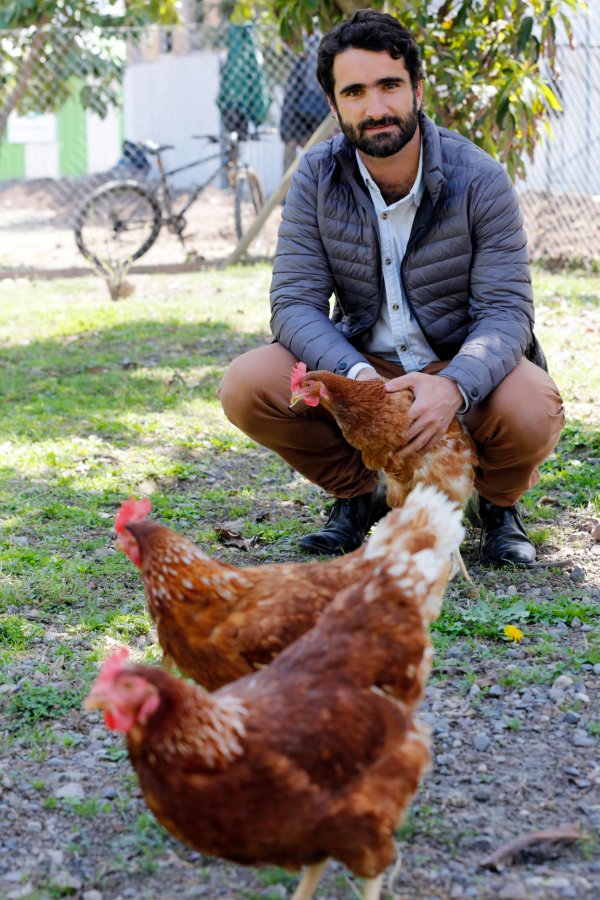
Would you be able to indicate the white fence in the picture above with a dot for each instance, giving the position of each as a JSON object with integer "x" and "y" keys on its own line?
{"x": 168, "y": 85}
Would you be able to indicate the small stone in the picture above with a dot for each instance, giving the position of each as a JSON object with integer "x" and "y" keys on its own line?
{"x": 576, "y": 622}
{"x": 475, "y": 690}
{"x": 109, "y": 793}
{"x": 514, "y": 890}
{"x": 511, "y": 590}
{"x": 57, "y": 857}
{"x": 571, "y": 717}
{"x": 580, "y": 738}
{"x": 13, "y": 876}
{"x": 92, "y": 895}
{"x": 481, "y": 742}
{"x": 496, "y": 690}
{"x": 582, "y": 697}
{"x": 563, "y": 683}
{"x": 72, "y": 789}
{"x": 577, "y": 574}
{"x": 24, "y": 891}
{"x": 596, "y": 669}
{"x": 66, "y": 881}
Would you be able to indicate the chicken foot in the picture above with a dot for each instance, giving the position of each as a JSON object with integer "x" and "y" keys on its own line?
{"x": 309, "y": 881}
{"x": 459, "y": 566}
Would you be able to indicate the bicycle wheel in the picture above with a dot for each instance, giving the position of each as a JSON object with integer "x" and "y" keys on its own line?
{"x": 117, "y": 223}
{"x": 248, "y": 200}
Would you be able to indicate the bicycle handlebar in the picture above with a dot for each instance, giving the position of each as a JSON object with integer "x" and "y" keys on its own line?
{"x": 217, "y": 138}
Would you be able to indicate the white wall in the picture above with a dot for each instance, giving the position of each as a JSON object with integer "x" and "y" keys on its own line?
{"x": 103, "y": 140}
{"x": 172, "y": 97}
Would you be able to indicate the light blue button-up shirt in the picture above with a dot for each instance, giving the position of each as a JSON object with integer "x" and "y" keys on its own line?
{"x": 396, "y": 335}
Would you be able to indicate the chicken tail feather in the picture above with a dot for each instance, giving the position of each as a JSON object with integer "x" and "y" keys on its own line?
{"x": 416, "y": 542}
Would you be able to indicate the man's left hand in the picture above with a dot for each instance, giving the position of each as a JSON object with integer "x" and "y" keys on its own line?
{"x": 436, "y": 402}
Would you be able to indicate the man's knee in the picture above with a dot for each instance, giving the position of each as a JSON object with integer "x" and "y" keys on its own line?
{"x": 237, "y": 391}
{"x": 255, "y": 389}
{"x": 526, "y": 409}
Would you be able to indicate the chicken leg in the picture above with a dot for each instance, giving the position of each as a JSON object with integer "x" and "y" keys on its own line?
{"x": 310, "y": 879}
{"x": 372, "y": 889}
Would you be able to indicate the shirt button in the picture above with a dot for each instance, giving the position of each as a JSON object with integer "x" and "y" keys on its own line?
{"x": 395, "y": 306}
{"x": 384, "y": 215}
{"x": 388, "y": 262}
{"x": 403, "y": 348}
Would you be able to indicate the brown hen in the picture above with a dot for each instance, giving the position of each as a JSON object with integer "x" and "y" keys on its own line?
{"x": 219, "y": 622}
{"x": 376, "y": 422}
{"x": 318, "y": 754}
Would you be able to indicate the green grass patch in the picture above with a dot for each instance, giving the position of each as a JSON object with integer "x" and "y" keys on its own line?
{"x": 102, "y": 400}
{"x": 35, "y": 703}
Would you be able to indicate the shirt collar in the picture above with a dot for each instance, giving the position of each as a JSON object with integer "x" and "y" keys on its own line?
{"x": 416, "y": 191}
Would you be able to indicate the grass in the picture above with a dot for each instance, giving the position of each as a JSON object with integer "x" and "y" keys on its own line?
{"x": 103, "y": 399}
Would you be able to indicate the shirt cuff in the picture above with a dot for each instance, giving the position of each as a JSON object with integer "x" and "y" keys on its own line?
{"x": 358, "y": 367}
{"x": 466, "y": 402}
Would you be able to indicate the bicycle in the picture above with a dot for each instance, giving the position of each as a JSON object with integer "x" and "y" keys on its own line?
{"x": 120, "y": 221}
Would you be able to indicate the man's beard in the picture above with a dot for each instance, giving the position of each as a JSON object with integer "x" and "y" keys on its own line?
{"x": 386, "y": 143}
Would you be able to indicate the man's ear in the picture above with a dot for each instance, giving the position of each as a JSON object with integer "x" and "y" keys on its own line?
{"x": 332, "y": 107}
{"x": 419, "y": 94}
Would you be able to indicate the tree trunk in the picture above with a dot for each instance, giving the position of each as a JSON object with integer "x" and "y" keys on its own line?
{"x": 23, "y": 75}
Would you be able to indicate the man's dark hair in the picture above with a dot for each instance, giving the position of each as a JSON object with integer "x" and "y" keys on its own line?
{"x": 368, "y": 29}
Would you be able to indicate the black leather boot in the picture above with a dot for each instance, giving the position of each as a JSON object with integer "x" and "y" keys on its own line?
{"x": 503, "y": 540}
{"x": 348, "y": 523}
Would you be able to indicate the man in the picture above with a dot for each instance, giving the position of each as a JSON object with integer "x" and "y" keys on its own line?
{"x": 419, "y": 235}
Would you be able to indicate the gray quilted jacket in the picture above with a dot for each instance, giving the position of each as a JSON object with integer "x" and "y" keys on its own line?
{"x": 465, "y": 272}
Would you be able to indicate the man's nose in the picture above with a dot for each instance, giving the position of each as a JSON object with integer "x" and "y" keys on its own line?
{"x": 377, "y": 106}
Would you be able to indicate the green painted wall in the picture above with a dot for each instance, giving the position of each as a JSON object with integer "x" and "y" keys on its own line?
{"x": 12, "y": 161}
{"x": 72, "y": 135}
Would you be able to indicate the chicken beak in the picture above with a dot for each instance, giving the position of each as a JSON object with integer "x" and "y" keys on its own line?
{"x": 95, "y": 700}
{"x": 296, "y": 400}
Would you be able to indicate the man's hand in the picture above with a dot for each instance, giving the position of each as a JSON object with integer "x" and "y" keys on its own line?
{"x": 437, "y": 401}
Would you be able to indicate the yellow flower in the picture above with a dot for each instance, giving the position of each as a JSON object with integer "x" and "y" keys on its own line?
{"x": 513, "y": 633}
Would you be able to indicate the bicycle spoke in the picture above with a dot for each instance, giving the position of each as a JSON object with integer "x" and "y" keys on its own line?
{"x": 117, "y": 224}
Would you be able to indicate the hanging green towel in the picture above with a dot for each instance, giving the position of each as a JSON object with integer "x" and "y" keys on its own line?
{"x": 243, "y": 84}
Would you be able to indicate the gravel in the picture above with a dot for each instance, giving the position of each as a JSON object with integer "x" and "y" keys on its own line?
{"x": 510, "y": 756}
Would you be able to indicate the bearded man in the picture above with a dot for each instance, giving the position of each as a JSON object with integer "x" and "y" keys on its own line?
{"x": 418, "y": 236}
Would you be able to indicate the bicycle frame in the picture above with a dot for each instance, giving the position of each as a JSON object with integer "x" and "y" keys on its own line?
{"x": 231, "y": 161}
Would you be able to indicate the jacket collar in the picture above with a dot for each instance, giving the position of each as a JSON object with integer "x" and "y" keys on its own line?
{"x": 433, "y": 174}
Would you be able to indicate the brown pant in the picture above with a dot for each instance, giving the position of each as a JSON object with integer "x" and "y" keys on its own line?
{"x": 515, "y": 428}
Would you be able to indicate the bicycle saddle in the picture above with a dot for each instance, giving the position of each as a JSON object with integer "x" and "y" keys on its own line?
{"x": 154, "y": 148}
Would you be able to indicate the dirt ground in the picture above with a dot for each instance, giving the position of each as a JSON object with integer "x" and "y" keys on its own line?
{"x": 36, "y": 227}
{"x": 508, "y": 760}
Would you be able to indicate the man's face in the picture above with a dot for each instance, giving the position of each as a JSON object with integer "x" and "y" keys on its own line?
{"x": 375, "y": 103}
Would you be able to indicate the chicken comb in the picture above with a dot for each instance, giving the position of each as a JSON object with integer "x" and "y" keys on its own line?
{"x": 298, "y": 373}
{"x": 132, "y": 510}
{"x": 112, "y": 665}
